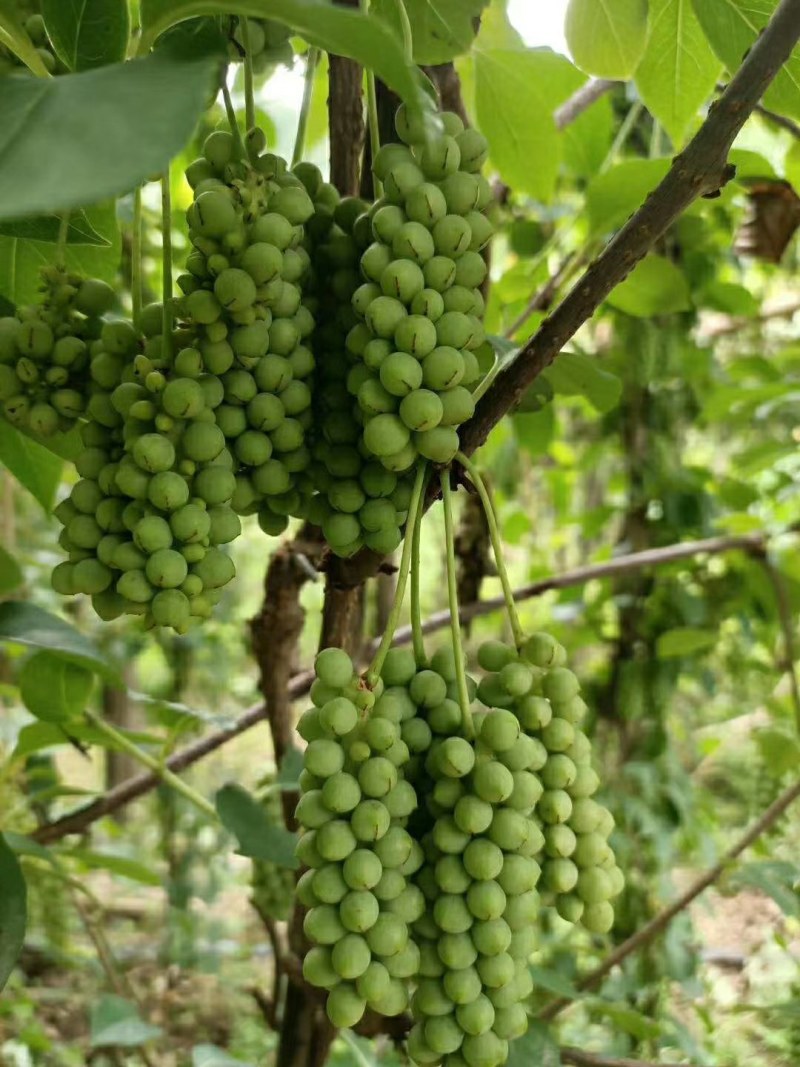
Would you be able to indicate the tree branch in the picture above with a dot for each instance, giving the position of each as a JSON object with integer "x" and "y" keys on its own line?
{"x": 659, "y": 922}
{"x": 588, "y": 1059}
{"x": 76, "y": 822}
{"x": 581, "y": 100}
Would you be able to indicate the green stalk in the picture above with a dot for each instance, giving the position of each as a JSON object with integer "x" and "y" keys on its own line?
{"x": 497, "y": 545}
{"x": 415, "y": 506}
{"x": 374, "y": 130}
{"x": 452, "y": 596}
{"x": 249, "y": 97}
{"x": 61, "y": 246}
{"x": 152, "y": 764}
{"x": 305, "y": 106}
{"x": 166, "y": 267}
{"x": 136, "y": 257}
{"x": 405, "y": 25}
{"x": 416, "y": 610}
{"x": 238, "y": 144}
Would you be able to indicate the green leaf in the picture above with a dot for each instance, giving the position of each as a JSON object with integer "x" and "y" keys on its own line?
{"x": 678, "y": 71}
{"x": 10, "y": 573}
{"x": 731, "y": 27}
{"x": 654, "y": 287}
{"x": 79, "y": 138}
{"x": 574, "y": 374}
{"x": 535, "y": 431}
{"x": 537, "y": 1048}
{"x": 88, "y": 33}
{"x": 54, "y": 689}
{"x": 42, "y": 735}
{"x": 116, "y": 1022}
{"x": 441, "y": 29}
{"x": 22, "y": 257}
{"x": 628, "y": 1019}
{"x": 25, "y": 624}
{"x": 34, "y": 467}
{"x": 211, "y": 1056}
{"x": 15, "y": 38}
{"x": 342, "y": 30}
{"x": 607, "y": 38}
{"x": 554, "y": 982}
{"x": 780, "y": 749}
{"x": 13, "y": 911}
{"x": 774, "y": 878}
{"x": 291, "y": 766}
{"x": 614, "y": 196}
{"x": 46, "y": 228}
{"x": 23, "y": 845}
{"x": 122, "y": 865}
{"x": 729, "y": 297}
{"x": 514, "y": 112}
{"x": 257, "y": 836}
{"x": 684, "y": 641}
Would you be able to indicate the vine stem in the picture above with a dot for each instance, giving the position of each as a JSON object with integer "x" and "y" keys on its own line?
{"x": 152, "y": 764}
{"x": 405, "y": 25}
{"x": 497, "y": 545}
{"x": 249, "y": 96}
{"x": 452, "y": 596}
{"x": 312, "y": 59}
{"x": 414, "y": 509}
{"x": 372, "y": 119}
{"x": 63, "y": 233}
{"x": 416, "y": 609}
{"x": 136, "y": 257}
{"x": 166, "y": 267}
{"x": 230, "y": 111}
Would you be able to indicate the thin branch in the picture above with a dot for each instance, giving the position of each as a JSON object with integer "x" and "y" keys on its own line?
{"x": 786, "y": 662}
{"x": 779, "y": 120}
{"x": 659, "y": 922}
{"x": 588, "y": 1059}
{"x": 581, "y": 100}
{"x": 118, "y": 797}
{"x": 736, "y": 325}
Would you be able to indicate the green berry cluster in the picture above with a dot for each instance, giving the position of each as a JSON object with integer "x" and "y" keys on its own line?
{"x": 354, "y": 808}
{"x": 31, "y": 19}
{"x": 44, "y": 352}
{"x": 579, "y": 874}
{"x": 245, "y": 302}
{"x": 143, "y": 525}
{"x": 420, "y": 304}
{"x": 272, "y": 885}
{"x": 270, "y": 44}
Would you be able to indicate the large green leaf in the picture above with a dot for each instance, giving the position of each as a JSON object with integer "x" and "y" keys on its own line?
{"x": 607, "y": 38}
{"x": 54, "y": 689}
{"x": 121, "y": 865}
{"x": 684, "y": 641}
{"x": 10, "y": 573}
{"x": 678, "y": 71}
{"x": 342, "y": 30}
{"x": 33, "y": 466}
{"x": 25, "y": 624}
{"x": 441, "y": 29}
{"x": 13, "y": 910}
{"x": 574, "y": 374}
{"x": 537, "y": 1048}
{"x": 731, "y": 27}
{"x": 613, "y": 197}
{"x": 24, "y": 253}
{"x": 258, "y": 837}
{"x": 775, "y": 879}
{"x": 14, "y": 37}
{"x": 654, "y": 287}
{"x": 515, "y": 112}
{"x": 88, "y": 33}
{"x": 115, "y": 1022}
{"x": 79, "y": 138}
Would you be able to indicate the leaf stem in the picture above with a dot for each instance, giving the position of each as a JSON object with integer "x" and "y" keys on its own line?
{"x": 63, "y": 233}
{"x": 166, "y": 267}
{"x": 230, "y": 111}
{"x": 136, "y": 257}
{"x": 416, "y": 610}
{"x": 402, "y": 578}
{"x": 452, "y": 596}
{"x": 497, "y": 545}
{"x": 405, "y": 25}
{"x": 249, "y": 96}
{"x": 312, "y": 58}
{"x": 152, "y": 764}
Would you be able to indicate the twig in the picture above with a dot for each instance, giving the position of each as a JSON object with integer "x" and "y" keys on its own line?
{"x": 786, "y": 662}
{"x": 588, "y": 1059}
{"x": 543, "y": 298}
{"x": 736, "y": 325}
{"x": 581, "y": 100}
{"x": 665, "y": 917}
{"x": 118, "y": 797}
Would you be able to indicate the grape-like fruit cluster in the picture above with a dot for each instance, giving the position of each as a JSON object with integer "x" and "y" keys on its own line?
{"x": 31, "y": 19}
{"x": 357, "y": 500}
{"x": 272, "y": 885}
{"x": 143, "y": 525}
{"x": 270, "y": 44}
{"x": 354, "y": 808}
{"x": 420, "y": 303}
{"x": 44, "y": 352}
{"x": 579, "y": 874}
{"x": 245, "y": 302}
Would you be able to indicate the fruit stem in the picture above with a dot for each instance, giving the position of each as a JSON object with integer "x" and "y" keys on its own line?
{"x": 452, "y": 596}
{"x": 63, "y": 233}
{"x": 405, "y": 25}
{"x": 372, "y": 118}
{"x": 136, "y": 257}
{"x": 238, "y": 144}
{"x": 152, "y": 764}
{"x": 312, "y": 58}
{"x": 402, "y": 578}
{"x": 166, "y": 267}
{"x": 416, "y": 610}
{"x": 249, "y": 97}
{"x": 497, "y": 545}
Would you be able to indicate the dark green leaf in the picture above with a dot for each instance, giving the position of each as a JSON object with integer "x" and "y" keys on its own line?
{"x": 627, "y": 1019}
{"x": 342, "y": 30}
{"x": 684, "y": 641}
{"x": 88, "y": 33}
{"x": 441, "y": 29}
{"x": 46, "y": 227}
{"x": 10, "y": 573}
{"x": 654, "y": 287}
{"x": 76, "y": 139}
{"x": 13, "y": 910}
{"x": 290, "y": 768}
{"x": 34, "y": 467}
{"x": 25, "y": 624}
{"x": 535, "y": 431}
{"x": 14, "y": 37}
{"x": 26, "y": 846}
{"x": 116, "y": 1022}
{"x": 122, "y": 865}
{"x": 614, "y": 196}
{"x": 53, "y": 688}
{"x": 538, "y": 1048}
{"x": 211, "y": 1056}
{"x": 607, "y": 38}
{"x": 257, "y": 836}
{"x": 574, "y": 374}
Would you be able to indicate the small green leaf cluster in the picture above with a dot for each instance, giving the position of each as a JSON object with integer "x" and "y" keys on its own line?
{"x": 44, "y": 352}
{"x": 272, "y": 885}
{"x": 420, "y": 304}
{"x": 270, "y": 44}
{"x": 244, "y": 300}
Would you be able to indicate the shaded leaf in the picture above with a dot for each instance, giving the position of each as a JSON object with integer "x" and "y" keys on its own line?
{"x": 655, "y": 286}
{"x": 441, "y": 29}
{"x": 88, "y": 33}
{"x": 35, "y": 467}
{"x": 46, "y": 228}
{"x": 258, "y": 837}
{"x": 535, "y": 431}
{"x": 628, "y": 1019}
{"x": 10, "y": 573}
{"x": 554, "y": 982}
{"x": 116, "y": 1022}
{"x": 25, "y": 624}
{"x": 13, "y": 910}
{"x": 211, "y": 1056}
{"x": 290, "y": 768}
{"x": 54, "y": 689}
{"x": 614, "y": 196}
{"x": 537, "y": 1048}
{"x": 780, "y": 749}
{"x": 574, "y": 374}
{"x": 684, "y": 641}
{"x": 775, "y": 879}
{"x": 15, "y": 38}
{"x": 607, "y": 38}
{"x": 121, "y": 865}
